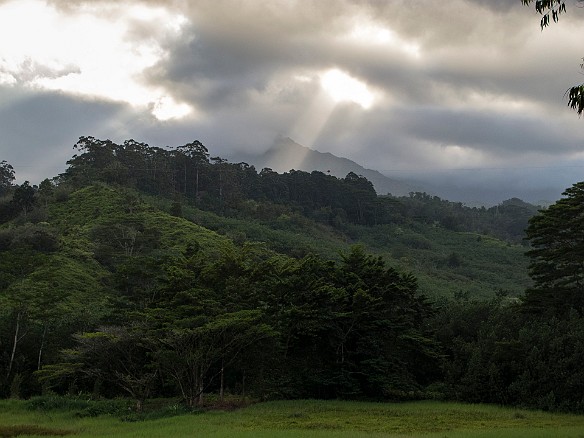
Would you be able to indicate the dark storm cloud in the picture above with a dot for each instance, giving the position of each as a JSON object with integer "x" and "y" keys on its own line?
{"x": 40, "y": 129}
{"x": 502, "y": 136}
{"x": 225, "y": 57}
{"x": 229, "y": 52}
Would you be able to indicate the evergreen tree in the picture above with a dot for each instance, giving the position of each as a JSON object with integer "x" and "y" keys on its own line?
{"x": 557, "y": 255}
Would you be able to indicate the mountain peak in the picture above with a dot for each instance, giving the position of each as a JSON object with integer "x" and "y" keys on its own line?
{"x": 286, "y": 154}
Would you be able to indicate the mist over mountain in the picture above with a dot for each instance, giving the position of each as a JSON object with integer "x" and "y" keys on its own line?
{"x": 472, "y": 187}
{"x": 285, "y": 154}
{"x": 489, "y": 187}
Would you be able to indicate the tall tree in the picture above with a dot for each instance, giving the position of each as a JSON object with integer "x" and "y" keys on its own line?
{"x": 94, "y": 157}
{"x": 557, "y": 255}
{"x": 391, "y": 351}
{"x": 361, "y": 199}
{"x": 195, "y": 157}
{"x": 6, "y": 177}
{"x": 24, "y": 198}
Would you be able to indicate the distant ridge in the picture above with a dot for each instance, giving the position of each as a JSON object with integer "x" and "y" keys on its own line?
{"x": 286, "y": 155}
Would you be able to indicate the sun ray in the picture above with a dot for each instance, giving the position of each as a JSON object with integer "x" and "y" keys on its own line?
{"x": 309, "y": 125}
{"x": 344, "y": 88}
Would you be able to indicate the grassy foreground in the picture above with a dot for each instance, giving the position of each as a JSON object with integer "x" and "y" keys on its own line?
{"x": 306, "y": 419}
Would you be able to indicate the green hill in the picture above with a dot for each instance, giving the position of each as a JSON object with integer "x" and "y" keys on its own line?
{"x": 143, "y": 271}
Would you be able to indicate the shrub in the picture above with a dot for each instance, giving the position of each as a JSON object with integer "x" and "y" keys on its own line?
{"x": 81, "y": 406}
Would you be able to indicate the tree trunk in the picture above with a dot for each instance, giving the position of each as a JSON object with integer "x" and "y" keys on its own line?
{"x": 222, "y": 387}
{"x": 41, "y": 347}
{"x": 17, "y": 338}
{"x": 197, "y": 186}
{"x": 200, "y": 402}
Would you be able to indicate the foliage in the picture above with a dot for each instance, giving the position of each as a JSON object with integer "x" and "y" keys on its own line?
{"x": 557, "y": 240}
{"x": 187, "y": 312}
{"x": 555, "y": 8}
{"x": 24, "y": 197}
{"x": 6, "y": 177}
{"x": 187, "y": 176}
{"x": 547, "y": 7}
{"x": 496, "y": 352}
{"x": 254, "y": 287}
{"x": 78, "y": 406}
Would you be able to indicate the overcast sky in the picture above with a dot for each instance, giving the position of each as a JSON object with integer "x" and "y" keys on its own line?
{"x": 467, "y": 92}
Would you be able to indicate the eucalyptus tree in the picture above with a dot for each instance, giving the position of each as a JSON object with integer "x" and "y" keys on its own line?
{"x": 195, "y": 162}
{"x": 6, "y": 177}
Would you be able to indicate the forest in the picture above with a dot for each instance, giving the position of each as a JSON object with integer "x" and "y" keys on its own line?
{"x": 149, "y": 272}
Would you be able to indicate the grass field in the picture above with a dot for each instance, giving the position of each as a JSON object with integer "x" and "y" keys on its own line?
{"x": 303, "y": 419}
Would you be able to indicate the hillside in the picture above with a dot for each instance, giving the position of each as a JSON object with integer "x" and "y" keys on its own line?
{"x": 141, "y": 272}
{"x": 446, "y": 263}
{"x": 452, "y": 249}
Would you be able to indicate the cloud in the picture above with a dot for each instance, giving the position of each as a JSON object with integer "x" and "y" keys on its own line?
{"x": 91, "y": 50}
{"x": 39, "y": 129}
{"x": 470, "y": 84}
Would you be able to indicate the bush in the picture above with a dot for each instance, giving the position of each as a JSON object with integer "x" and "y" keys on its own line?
{"x": 15, "y": 386}
{"x": 62, "y": 193}
{"x": 80, "y": 406}
{"x": 6, "y": 237}
{"x": 56, "y": 402}
{"x": 39, "y": 237}
{"x": 30, "y": 429}
{"x": 163, "y": 412}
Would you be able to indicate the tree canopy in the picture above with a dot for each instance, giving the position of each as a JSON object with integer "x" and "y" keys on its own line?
{"x": 557, "y": 255}
{"x": 6, "y": 176}
{"x": 107, "y": 289}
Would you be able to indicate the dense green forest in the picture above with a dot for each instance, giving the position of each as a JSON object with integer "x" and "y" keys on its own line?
{"x": 151, "y": 272}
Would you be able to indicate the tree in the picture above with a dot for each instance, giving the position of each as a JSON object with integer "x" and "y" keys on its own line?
{"x": 392, "y": 353}
{"x": 557, "y": 255}
{"x": 117, "y": 356}
{"x": 361, "y": 199}
{"x": 6, "y": 176}
{"x": 196, "y": 159}
{"x": 22, "y": 298}
{"x": 553, "y": 9}
{"x": 123, "y": 238}
{"x": 46, "y": 191}
{"x": 96, "y": 160}
{"x": 24, "y": 198}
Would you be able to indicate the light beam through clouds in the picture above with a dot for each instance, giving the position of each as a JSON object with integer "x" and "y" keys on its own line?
{"x": 342, "y": 87}
{"x": 412, "y": 87}
{"x": 335, "y": 87}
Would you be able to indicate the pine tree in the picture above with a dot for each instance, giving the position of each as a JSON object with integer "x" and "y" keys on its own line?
{"x": 557, "y": 255}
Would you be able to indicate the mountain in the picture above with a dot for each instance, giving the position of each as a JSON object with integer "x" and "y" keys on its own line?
{"x": 286, "y": 154}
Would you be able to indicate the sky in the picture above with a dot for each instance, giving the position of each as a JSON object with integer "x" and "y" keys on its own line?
{"x": 466, "y": 96}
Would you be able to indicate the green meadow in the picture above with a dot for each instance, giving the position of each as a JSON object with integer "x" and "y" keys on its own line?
{"x": 300, "y": 419}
